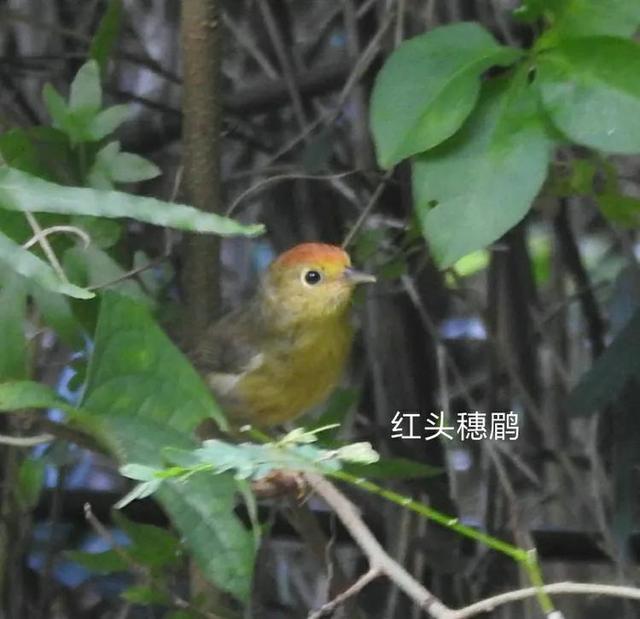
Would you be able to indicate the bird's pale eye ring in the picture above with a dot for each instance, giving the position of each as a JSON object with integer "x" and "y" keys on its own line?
{"x": 311, "y": 277}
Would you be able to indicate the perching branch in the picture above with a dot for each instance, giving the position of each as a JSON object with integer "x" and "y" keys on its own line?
{"x": 378, "y": 558}
{"x": 380, "y": 563}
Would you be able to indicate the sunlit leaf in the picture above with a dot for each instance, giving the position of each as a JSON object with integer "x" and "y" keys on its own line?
{"x": 428, "y": 86}
{"x": 473, "y": 188}
{"x": 590, "y": 90}
{"x": 20, "y": 191}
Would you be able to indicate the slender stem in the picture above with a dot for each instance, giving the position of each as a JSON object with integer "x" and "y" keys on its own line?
{"x": 535, "y": 575}
{"x": 518, "y": 554}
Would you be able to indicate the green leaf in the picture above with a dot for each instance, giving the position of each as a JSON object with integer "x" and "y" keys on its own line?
{"x": 91, "y": 266}
{"x": 55, "y": 104}
{"x": 139, "y": 491}
{"x": 111, "y": 166}
{"x": 428, "y": 87}
{"x": 30, "y": 482}
{"x": 42, "y": 151}
{"x": 107, "y": 34}
{"x": 107, "y": 121}
{"x": 582, "y": 18}
{"x": 151, "y": 546}
{"x": 622, "y": 210}
{"x": 105, "y": 562}
{"x": 17, "y": 395}
{"x": 201, "y": 507}
{"x": 136, "y": 370}
{"x": 147, "y": 396}
{"x": 472, "y": 189}
{"x": 104, "y": 233}
{"x": 13, "y": 305}
{"x": 612, "y": 371}
{"x": 590, "y": 89}
{"x": 56, "y": 313}
{"x": 85, "y": 92}
{"x": 339, "y": 404}
{"x": 393, "y": 468}
{"x": 140, "y": 594}
{"x": 139, "y": 472}
{"x": 30, "y": 266}
{"x": 22, "y": 192}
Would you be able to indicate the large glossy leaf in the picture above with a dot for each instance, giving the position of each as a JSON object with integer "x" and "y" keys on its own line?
{"x": 472, "y": 189}
{"x": 590, "y": 89}
{"x": 580, "y": 18}
{"x": 30, "y": 266}
{"x": 428, "y": 86}
{"x": 148, "y": 397}
{"x": 20, "y": 191}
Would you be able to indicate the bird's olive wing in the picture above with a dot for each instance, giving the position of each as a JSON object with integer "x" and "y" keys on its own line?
{"x": 228, "y": 350}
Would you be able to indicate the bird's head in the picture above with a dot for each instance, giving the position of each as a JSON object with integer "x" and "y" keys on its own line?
{"x": 312, "y": 281}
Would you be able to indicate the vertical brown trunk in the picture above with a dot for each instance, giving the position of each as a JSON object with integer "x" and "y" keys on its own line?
{"x": 201, "y": 106}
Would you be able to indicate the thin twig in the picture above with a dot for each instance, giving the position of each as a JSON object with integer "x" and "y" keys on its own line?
{"x": 46, "y": 247}
{"x": 341, "y": 598}
{"x": 373, "y": 200}
{"x": 284, "y": 59}
{"x": 45, "y": 232}
{"x": 284, "y": 177}
{"x": 556, "y": 588}
{"x": 375, "y": 553}
{"x": 245, "y": 40}
{"x": 25, "y": 441}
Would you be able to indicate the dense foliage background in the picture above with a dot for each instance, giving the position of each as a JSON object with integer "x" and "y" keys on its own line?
{"x": 480, "y": 156}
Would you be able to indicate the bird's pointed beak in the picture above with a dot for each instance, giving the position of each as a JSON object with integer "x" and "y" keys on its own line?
{"x": 359, "y": 277}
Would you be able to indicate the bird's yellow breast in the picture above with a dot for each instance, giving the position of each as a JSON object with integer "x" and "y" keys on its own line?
{"x": 295, "y": 374}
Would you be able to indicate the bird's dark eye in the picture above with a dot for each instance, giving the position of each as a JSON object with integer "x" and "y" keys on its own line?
{"x": 312, "y": 277}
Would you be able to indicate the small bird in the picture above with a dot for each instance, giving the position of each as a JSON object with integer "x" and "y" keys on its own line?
{"x": 281, "y": 354}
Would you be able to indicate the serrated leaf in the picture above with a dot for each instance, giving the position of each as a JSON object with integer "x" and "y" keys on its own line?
{"x": 502, "y": 154}
{"x": 30, "y": 266}
{"x": 428, "y": 87}
{"x": 23, "y": 192}
{"x": 86, "y": 92}
{"x": 589, "y": 88}
{"x": 201, "y": 508}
